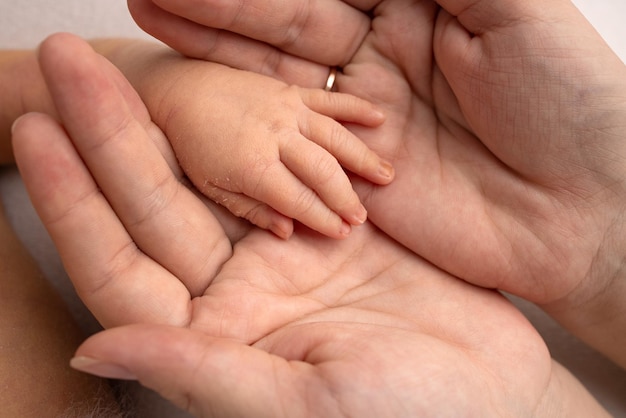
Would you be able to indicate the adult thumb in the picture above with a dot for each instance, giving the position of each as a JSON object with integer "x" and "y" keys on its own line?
{"x": 206, "y": 376}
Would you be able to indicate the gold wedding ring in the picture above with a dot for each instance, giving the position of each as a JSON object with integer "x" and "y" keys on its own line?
{"x": 330, "y": 81}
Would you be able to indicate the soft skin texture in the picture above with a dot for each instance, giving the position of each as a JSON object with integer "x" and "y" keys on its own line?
{"x": 366, "y": 328}
{"x": 505, "y": 126}
{"x": 267, "y": 151}
{"x": 38, "y": 334}
{"x": 22, "y": 90}
{"x": 296, "y": 42}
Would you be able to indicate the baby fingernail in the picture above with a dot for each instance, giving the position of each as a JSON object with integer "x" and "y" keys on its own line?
{"x": 386, "y": 170}
{"x": 281, "y": 231}
{"x": 101, "y": 368}
{"x": 360, "y": 216}
{"x": 345, "y": 229}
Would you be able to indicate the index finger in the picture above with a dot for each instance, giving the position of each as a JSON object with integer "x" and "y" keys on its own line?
{"x": 166, "y": 220}
{"x": 293, "y": 40}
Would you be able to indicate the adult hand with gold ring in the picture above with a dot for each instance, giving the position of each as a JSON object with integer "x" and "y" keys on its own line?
{"x": 331, "y": 80}
{"x": 305, "y": 327}
{"x": 494, "y": 161}
{"x": 288, "y": 40}
{"x": 510, "y": 166}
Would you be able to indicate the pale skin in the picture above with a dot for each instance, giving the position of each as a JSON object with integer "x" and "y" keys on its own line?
{"x": 569, "y": 294}
{"x": 267, "y": 151}
{"x": 273, "y": 152}
{"x": 131, "y": 349}
{"x": 297, "y": 45}
{"x": 504, "y": 123}
{"x": 30, "y": 331}
{"x": 369, "y": 325}
{"x": 37, "y": 331}
{"x": 516, "y": 161}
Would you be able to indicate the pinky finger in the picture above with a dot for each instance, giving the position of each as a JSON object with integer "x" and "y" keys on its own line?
{"x": 218, "y": 45}
{"x": 258, "y": 213}
{"x": 113, "y": 277}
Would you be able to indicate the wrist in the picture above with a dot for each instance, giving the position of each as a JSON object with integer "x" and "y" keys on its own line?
{"x": 565, "y": 396}
{"x": 595, "y": 311}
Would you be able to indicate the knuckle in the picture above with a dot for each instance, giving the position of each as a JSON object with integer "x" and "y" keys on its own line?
{"x": 257, "y": 173}
{"x": 120, "y": 264}
{"x": 304, "y": 203}
{"x": 300, "y": 20}
{"x": 154, "y": 203}
{"x": 256, "y": 214}
{"x": 325, "y": 169}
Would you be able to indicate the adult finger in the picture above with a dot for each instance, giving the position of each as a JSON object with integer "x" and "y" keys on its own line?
{"x": 480, "y": 16}
{"x": 217, "y": 45}
{"x": 116, "y": 281}
{"x": 260, "y": 35}
{"x": 112, "y": 140}
{"x": 198, "y": 373}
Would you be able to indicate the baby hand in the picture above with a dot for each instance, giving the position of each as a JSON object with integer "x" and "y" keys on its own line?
{"x": 272, "y": 153}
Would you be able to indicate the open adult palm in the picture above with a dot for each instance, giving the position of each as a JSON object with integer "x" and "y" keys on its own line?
{"x": 309, "y": 326}
{"x": 315, "y": 327}
{"x": 505, "y": 126}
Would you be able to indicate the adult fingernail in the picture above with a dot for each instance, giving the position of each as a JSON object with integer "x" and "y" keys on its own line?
{"x": 101, "y": 368}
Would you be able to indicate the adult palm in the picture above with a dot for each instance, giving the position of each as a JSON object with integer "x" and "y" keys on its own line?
{"x": 309, "y": 326}
{"x": 361, "y": 327}
{"x": 505, "y": 126}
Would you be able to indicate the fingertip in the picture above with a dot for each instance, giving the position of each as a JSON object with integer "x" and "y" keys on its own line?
{"x": 58, "y": 46}
{"x": 26, "y": 119}
{"x": 359, "y": 217}
{"x": 32, "y": 128}
{"x": 386, "y": 172}
{"x": 15, "y": 124}
{"x": 101, "y": 368}
{"x": 282, "y": 228}
{"x": 344, "y": 230}
{"x": 377, "y": 116}
{"x": 339, "y": 231}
